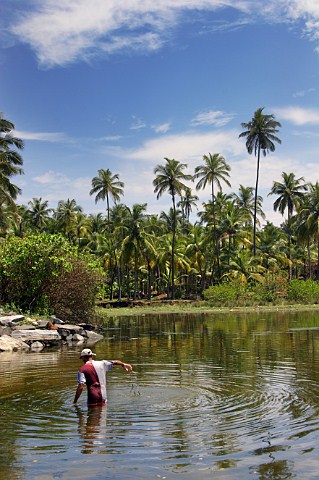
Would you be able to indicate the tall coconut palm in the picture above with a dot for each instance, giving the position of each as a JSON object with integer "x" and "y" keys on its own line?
{"x": 137, "y": 245}
{"x": 170, "y": 178}
{"x": 66, "y": 216}
{"x": 187, "y": 201}
{"x": 106, "y": 186}
{"x": 244, "y": 200}
{"x": 214, "y": 171}
{"x": 309, "y": 212}
{"x": 260, "y": 133}
{"x": 10, "y": 161}
{"x": 290, "y": 195}
{"x": 39, "y": 212}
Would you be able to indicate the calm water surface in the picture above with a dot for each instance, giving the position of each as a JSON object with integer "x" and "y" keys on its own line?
{"x": 212, "y": 397}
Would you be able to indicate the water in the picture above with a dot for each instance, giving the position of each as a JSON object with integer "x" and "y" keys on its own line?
{"x": 212, "y": 396}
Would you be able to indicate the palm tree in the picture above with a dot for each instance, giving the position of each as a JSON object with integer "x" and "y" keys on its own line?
{"x": 187, "y": 201}
{"x": 66, "y": 216}
{"x": 309, "y": 212}
{"x": 170, "y": 177}
{"x": 260, "y": 137}
{"x": 39, "y": 212}
{"x": 10, "y": 161}
{"x": 214, "y": 171}
{"x": 244, "y": 200}
{"x": 290, "y": 195}
{"x": 107, "y": 185}
{"x": 136, "y": 244}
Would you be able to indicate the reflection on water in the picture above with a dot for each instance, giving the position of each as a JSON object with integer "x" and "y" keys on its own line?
{"x": 92, "y": 426}
{"x": 221, "y": 397}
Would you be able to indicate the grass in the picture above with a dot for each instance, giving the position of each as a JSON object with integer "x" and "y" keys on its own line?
{"x": 195, "y": 307}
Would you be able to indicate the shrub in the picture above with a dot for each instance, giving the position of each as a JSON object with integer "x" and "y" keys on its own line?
{"x": 273, "y": 289}
{"x": 32, "y": 268}
{"x": 72, "y": 295}
{"x": 224, "y": 294}
{"x": 303, "y": 291}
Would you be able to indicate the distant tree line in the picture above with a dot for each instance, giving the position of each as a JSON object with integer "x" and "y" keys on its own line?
{"x": 144, "y": 255}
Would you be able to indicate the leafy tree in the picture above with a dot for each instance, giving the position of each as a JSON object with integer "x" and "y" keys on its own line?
{"x": 170, "y": 178}
{"x": 137, "y": 243}
{"x": 290, "y": 194}
{"x": 260, "y": 137}
{"x": 309, "y": 212}
{"x": 187, "y": 201}
{"x": 106, "y": 186}
{"x": 244, "y": 199}
{"x": 66, "y": 216}
{"x": 39, "y": 212}
{"x": 10, "y": 161}
{"x": 214, "y": 171}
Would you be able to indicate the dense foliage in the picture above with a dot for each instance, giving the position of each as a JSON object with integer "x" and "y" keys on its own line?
{"x": 44, "y": 273}
{"x": 224, "y": 253}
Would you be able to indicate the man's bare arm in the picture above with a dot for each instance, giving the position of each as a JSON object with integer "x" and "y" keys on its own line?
{"x": 78, "y": 392}
{"x": 126, "y": 366}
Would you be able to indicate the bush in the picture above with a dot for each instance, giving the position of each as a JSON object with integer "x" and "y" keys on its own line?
{"x": 33, "y": 269}
{"x": 225, "y": 294}
{"x": 303, "y": 291}
{"x": 273, "y": 289}
{"x": 72, "y": 295}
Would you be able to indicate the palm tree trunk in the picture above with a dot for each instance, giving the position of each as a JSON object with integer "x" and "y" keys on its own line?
{"x": 173, "y": 250}
{"x": 215, "y": 234}
{"x": 255, "y": 203}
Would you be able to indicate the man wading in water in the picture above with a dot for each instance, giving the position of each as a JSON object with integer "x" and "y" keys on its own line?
{"x": 93, "y": 374}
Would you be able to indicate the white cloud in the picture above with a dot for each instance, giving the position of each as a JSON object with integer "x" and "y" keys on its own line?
{"x": 163, "y": 128}
{"x": 188, "y": 147}
{"x": 298, "y": 115}
{"x": 42, "y": 136}
{"x": 212, "y": 117}
{"x": 303, "y": 93}
{"x": 50, "y": 178}
{"x": 70, "y": 30}
{"x": 138, "y": 124}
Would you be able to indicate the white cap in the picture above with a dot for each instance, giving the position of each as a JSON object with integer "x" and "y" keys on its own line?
{"x": 87, "y": 352}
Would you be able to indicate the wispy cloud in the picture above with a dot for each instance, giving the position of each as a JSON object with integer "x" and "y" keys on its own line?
{"x": 51, "y": 177}
{"x": 298, "y": 116}
{"x": 162, "y": 128}
{"x": 137, "y": 124}
{"x": 63, "y": 32}
{"x": 303, "y": 93}
{"x": 188, "y": 147}
{"x": 54, "y": 137}
{"x": 212, "y": 117}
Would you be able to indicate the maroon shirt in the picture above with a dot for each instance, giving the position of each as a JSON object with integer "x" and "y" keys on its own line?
{"x": 93, "y": 373}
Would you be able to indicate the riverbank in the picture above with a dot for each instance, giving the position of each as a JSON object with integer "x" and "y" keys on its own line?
{"x": 189, "y": 308}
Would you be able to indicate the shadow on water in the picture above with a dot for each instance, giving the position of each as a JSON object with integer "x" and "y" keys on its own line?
{"x": 212, "y": 396}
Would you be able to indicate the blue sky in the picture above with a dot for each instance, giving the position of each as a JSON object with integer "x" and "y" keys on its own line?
{"x": 123, "y": 84}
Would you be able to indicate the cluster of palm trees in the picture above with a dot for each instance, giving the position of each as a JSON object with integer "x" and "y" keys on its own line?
{"x": 145, "y": 255}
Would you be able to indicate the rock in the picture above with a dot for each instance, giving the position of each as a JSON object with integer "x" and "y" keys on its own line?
{"x": 9, "y": 344}
{"x": 23, "y": 327}
{"x": 56, "y": 321}
{"x": 77, "y": 338}
{"x": 10, "y": 319}
{"x": 47, "y": 336}
{"x": 93, "y": 337}
{"x": 66, "y": 330}
{"x": 87, "y": 326}
{"x": 37, "y": 347}
{"x": 42, "y": 323}
{"x": 5, "y": 331}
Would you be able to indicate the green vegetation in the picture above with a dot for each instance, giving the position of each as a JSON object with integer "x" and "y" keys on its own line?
{"x": 62, "y": 260}
{"x": 45, "y": 274}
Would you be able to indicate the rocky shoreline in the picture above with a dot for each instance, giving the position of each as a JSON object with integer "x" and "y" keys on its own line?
{"x": 20, "y": 333}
